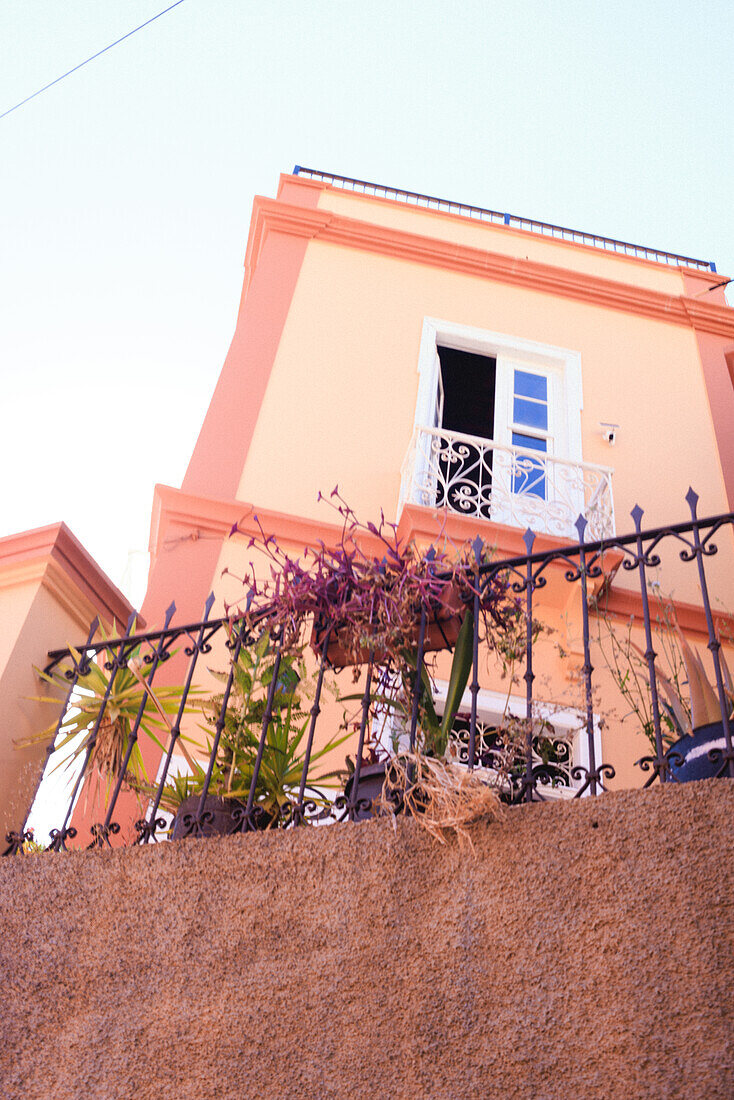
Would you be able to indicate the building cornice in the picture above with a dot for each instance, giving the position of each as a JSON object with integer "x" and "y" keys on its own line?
{"x": 273, "y": 216}
{"x": 178, "y": 515}
{"x": 301, "y": 186}
{"x": 180, "y": 519}
{"x": 54, "y": 557}
{"x": 626, "y": 604}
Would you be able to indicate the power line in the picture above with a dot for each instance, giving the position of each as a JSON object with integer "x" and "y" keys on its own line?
{"x": 94, "y": 55}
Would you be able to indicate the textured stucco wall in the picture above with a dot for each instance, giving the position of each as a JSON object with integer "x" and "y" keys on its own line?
{"x": 585, "y": 950}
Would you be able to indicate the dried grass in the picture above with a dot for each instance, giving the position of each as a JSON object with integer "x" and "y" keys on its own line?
{"x": 443, "y": 798}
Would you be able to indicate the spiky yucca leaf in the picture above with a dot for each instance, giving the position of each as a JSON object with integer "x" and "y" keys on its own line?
{"x": 283, "y": 758}
{"x": 704, "y": 703}
{"x": 703, "y": 697}
{"x": 108, "y": 747}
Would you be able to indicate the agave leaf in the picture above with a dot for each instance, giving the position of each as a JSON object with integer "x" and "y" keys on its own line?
{"x": 429, "y": 711}
{"x": 703, "y": 699}
{"x": 704, "y": 703}
{"x": 726, "y": 676}
{"x": 676, "y": 707}
{"x": 460, "y": 669}
{"x": 427, "y": 700}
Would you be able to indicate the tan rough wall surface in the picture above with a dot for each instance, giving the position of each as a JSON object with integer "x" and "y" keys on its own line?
{"x": 584, "y": 950}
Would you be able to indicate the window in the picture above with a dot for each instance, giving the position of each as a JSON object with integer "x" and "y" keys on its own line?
{"x": 489, "y": 406}
{"x": 467, "y": 411}
{"x": 553, "y": 757}
{"x": 560, "y": 740}
{"x": 561, "y": 368}
{"x": 529, "y": 429}
{"x": 465, "y": 414}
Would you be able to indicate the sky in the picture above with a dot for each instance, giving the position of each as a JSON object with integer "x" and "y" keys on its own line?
{"x": 126, "y": 189}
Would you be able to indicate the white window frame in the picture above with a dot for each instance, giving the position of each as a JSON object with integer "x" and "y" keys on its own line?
{"x": 492, "y": 706}
{"x": 561, "y": 366}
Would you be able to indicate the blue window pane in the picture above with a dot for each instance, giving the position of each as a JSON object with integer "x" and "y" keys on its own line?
{"x": 519, "y": 439}
{"x": 530, "y": 413}
{"x": 528, "y": 477}
{"x": 531, "y": 385}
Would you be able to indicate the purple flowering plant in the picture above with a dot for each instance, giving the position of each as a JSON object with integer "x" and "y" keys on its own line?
{"x": 368, "y": 590}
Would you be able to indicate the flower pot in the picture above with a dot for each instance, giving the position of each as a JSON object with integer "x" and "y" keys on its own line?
{"x": 442, "y": 631}
{"x": 221, "y": 824}
{"x": 694, "y": 748}
{"x": 371, "y": 780}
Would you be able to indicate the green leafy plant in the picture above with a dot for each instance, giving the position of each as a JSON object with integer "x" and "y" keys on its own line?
{"x": 434, "y": 730}
{"x": 283, "y": 760}
{"x": 364, "y": 598}
{"x": 107, "y": 750}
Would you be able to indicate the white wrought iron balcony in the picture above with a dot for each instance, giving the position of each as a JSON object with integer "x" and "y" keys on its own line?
{"x": 513, "y": 485}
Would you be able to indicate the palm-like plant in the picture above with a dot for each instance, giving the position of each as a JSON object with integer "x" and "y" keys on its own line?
{"x": 284, "y": 757}
{"x": 112, "y": 712}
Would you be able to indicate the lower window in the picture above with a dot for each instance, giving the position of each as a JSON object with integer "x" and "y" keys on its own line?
{"x": 560, "y": 740}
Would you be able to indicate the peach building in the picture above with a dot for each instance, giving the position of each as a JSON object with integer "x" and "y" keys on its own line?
{"x": 470, "y": 373}
{"x": 50, "y": 591}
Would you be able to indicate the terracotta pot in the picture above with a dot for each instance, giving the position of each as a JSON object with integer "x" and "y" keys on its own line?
{"x": 442, "y": 631}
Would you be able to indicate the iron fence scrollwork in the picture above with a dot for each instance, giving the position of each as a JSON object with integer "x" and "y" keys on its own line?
{"x": 546, "y": 763}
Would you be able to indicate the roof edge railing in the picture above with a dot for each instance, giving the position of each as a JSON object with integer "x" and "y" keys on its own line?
{"x": 499, "y": 217}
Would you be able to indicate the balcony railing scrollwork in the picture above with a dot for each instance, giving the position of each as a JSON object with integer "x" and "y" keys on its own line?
{"x": 506, "y": 484}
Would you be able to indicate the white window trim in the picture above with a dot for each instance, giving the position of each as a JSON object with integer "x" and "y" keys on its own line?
{"x": 493, "y": 705}
{"x": 562, "y": 366}
{"x": 567, "y": 721}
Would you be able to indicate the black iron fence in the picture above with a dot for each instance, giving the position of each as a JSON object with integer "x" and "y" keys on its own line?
{"x": 140, "y": 656}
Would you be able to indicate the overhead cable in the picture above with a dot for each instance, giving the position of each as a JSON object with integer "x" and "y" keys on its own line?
{"x": 94, "y": 55}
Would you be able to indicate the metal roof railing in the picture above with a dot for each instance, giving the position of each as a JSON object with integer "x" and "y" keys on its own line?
{"x": 498, "y": 217}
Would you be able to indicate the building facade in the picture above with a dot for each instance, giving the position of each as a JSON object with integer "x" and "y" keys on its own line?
{"x": 469, "y": 373}
{"x": 466, "y": 372}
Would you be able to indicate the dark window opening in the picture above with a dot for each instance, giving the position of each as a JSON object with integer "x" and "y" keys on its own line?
{"x": 468, "y": 392}
{"x": 465, "y": 471}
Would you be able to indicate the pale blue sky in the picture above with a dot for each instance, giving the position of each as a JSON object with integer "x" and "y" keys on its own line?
{"x": 126, "y": 190}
